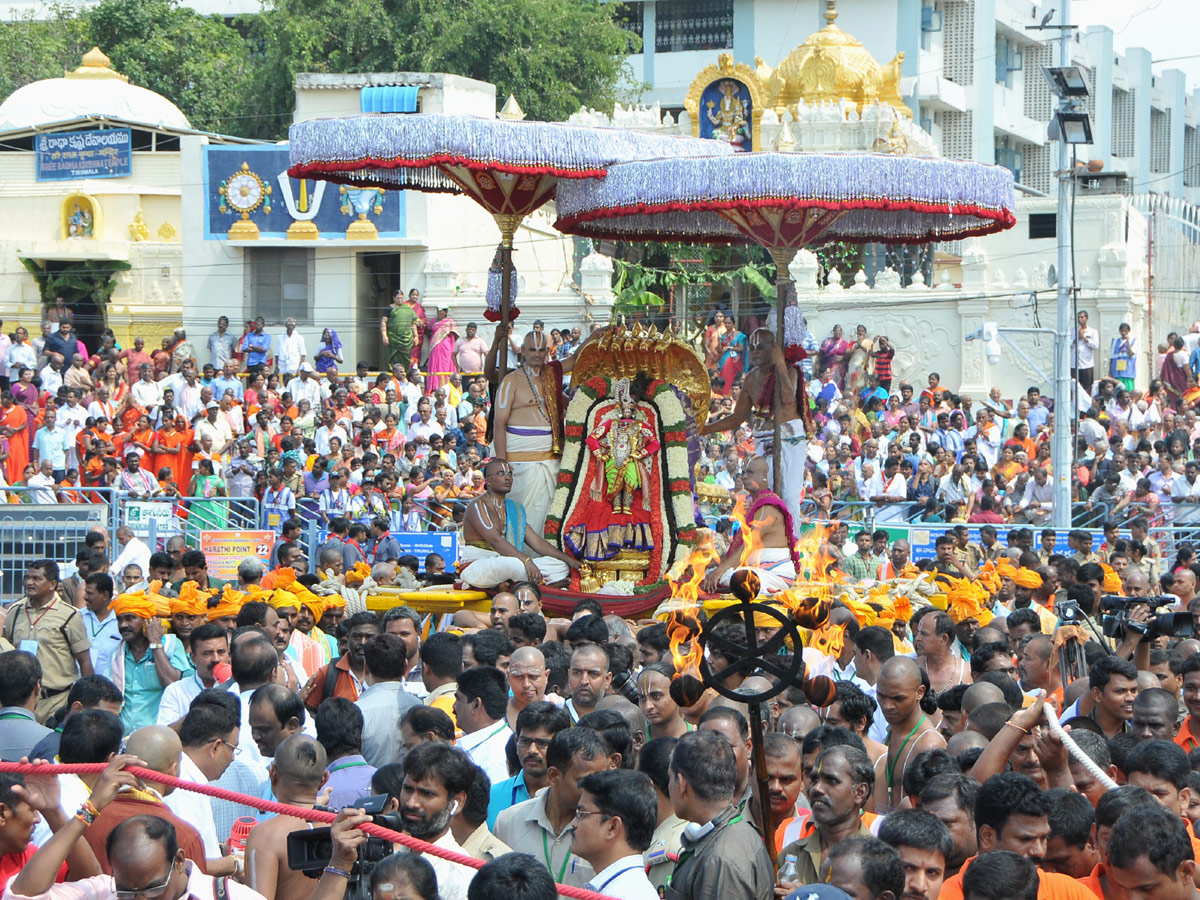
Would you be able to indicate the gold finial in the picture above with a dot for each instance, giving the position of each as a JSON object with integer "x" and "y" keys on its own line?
{"x": 96, "y": 64}
{"x": 830, "y": 11}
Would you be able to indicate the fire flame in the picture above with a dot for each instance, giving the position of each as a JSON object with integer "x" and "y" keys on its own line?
{"x": 816, "y": 579}
{"x": 683, "y": 622}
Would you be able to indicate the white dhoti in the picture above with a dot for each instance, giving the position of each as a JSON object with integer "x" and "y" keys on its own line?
{"x": 535, "y": 472}
{"x": 487, "y": 568}
{"x": 772, "y": 565}
{"x": 793, "y": 453}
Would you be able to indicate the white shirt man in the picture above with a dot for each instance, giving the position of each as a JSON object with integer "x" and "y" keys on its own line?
{"x": 1086, "y": 343}
{"x": 71, "y": 418}
{"x": 292, "y": 350}
{"x": 133, "y": 552}
{"x": 147, "y": 394}
{"x": 51, "y": 378}
{"x": 305, "y": 387}
{"x": 195, "y": 808}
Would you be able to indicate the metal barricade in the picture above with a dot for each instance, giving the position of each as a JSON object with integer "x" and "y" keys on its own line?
{"x": 32, "y": 530}
{"x": 157, "y": 519}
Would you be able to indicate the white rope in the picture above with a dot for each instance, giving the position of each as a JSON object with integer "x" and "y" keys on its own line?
{"x": 1086, "y": 761}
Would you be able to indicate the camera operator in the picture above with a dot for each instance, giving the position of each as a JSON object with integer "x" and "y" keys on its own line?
{"x": 403, "y": 874}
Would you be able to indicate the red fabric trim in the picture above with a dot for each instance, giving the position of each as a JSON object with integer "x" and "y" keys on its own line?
{"x": 562, "y": 602}
{"x": 999, "y": 219}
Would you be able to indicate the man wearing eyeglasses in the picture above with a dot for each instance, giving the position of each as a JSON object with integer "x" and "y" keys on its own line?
{"x": 500, "y": 543}
{"x": 614, "y": 822}
{"x": 537, "y": 723}
{"x": 147, "y": 861}
{"x": 209, "y": 734}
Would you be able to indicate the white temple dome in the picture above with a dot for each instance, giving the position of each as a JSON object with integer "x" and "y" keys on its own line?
{"x": 93, "y": 89}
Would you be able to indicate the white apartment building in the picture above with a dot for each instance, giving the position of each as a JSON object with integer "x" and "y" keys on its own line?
{"x": 971, "y": 74}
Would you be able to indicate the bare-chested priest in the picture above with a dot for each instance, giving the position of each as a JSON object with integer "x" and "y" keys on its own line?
{"x": 773, "y": 557}
{"x": 500, "y": 542}
{"x": 902, "y": 700}
{"x": 528, "y": 426}
{"x": 755, "y": 403}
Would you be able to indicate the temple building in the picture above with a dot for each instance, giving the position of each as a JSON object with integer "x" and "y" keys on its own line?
{"x": 110, "y": 199}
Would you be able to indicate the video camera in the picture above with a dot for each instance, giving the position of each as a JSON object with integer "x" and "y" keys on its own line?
{"x": 310, "y": 851}
{"x": 1116, "y": 623}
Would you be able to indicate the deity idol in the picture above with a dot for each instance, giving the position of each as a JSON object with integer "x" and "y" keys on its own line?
{"x": 624, "y": 447}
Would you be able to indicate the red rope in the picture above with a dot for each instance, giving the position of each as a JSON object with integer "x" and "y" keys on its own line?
{"x": 271, "y": 806}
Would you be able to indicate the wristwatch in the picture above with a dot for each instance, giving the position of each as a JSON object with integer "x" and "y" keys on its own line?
{"x": 156, "y": 646}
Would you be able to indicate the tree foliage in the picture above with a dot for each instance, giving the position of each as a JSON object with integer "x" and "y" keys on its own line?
{"x": 32, "y": 50}
{"x": 238, "y": 77}
{"x": 198, "y": 62}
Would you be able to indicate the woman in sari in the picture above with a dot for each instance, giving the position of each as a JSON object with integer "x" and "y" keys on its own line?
{"x": 894, "y": 414}
{"x": 141, "y": 441}
{"x": 859, "y": 363}
{"x": 733, "y": 360}
{"x": 329, "y": 355}
{"x": 441, "y": 350}
{"x": 834, "y": 350}
{"x": 716, "y": 336}
{"x": 206, "y": 515}
{"x": 15, "y": 424}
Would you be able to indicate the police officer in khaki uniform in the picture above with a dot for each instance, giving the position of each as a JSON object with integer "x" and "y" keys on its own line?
{"x": 44, "y": 624}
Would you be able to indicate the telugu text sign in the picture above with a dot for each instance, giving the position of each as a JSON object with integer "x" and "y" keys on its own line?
{"x": 107, "y": 153}
{"x": 225, "y": 549}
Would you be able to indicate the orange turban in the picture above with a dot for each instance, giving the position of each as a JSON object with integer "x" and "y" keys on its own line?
{"x": 966, "y": 600}
{"x": 191, "y": 600}
{"x": 1026, "y": 578}
{"x": 310, "y": 601}
{"x": 864, "y": 613}
{"x": 229, "y": 604}
{"x": 358, "y": 573}
{"x": 335, "y": 601}
{"x": 1112, "y": 581}
{"x": 138, "y": 604}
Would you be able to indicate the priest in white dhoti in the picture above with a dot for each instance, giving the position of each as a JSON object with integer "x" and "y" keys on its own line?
{"x": 500, "y": 543}
{"x": 528, "y": 427}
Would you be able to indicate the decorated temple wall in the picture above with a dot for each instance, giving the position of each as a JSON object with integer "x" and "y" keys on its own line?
{"x": 928, "y": 323}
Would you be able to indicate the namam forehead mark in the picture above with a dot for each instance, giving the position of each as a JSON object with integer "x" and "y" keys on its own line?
{"x": 762, "y": 337}
{"x": 536, "y": 340}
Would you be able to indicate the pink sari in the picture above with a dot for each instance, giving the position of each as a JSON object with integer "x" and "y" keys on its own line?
{"x": 441, "y": 356}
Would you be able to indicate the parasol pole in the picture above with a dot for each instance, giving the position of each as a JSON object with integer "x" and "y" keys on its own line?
{"x": 783, "y": 257}
{"x": 509, "y": 223}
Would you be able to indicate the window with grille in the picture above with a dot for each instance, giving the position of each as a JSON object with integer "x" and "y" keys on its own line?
{"x": 279, "y": 284}
{"x": 1124, "y": 123}
{"x": 1037, "y": 172}
{"x": 1160, "y": 140}
{"x": 958, "y": 48}
{"x": 1010, "y": 158}
{"x": 1009, "y": 59}
{"x": 957, "y": 137}
{"x": 693, "y": 25}
{"x": 1191, "y": 157}
{"x": 630, "y": 16}
{"x": 1039, "y": 102}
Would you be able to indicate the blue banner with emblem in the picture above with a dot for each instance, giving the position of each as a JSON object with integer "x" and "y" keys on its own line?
{"x": 69, "y": 155}
{"x": 285, "y": 202}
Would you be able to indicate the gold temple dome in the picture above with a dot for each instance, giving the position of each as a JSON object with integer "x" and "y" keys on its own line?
{"x": 833, "y": 65}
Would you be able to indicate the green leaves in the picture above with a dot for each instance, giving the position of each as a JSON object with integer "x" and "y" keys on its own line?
{"x": 77, "y": 280}
{"x": 238, "y": 77}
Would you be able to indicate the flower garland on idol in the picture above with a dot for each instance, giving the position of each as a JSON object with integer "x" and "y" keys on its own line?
{"x": 674, "y": 529}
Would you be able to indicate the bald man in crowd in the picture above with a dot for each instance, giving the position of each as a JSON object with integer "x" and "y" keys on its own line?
{"x": 527, "y": 677}
{"x": 902, "y": 700}
{"x": 297, "y": 775}
{"x": 159, "y": 749}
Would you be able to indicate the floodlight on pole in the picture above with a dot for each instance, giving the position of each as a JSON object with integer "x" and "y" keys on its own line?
{"x": 1067, "y": 81}
{"x": 1071, "y": 127}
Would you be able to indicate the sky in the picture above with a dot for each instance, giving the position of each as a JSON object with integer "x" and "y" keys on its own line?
{"x": 1166, "y": 28}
